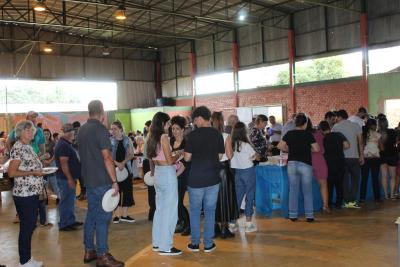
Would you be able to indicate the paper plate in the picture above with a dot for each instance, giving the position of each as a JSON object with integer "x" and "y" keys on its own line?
{"x": 148, "y": 179}
{"x": 49, "y": 170}
{"x": 109, "y": 202}
{"x": 121, "y": 175}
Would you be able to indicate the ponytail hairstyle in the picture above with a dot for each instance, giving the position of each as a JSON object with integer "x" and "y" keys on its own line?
{"x": 156, "y": 130}
{"x": 239, "y": 135}
{"x": 300, "y": 119}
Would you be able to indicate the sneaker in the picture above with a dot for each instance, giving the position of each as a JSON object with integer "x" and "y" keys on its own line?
{"x": 46, "y": 224}
{"x": 116, "y": 219}
{"x": 171, "y": 252}
{"x": 31, "y": 263}
{"x": 310, "y": 220}
{"x": 233, "y": 227}
{"x": 38, "y": 263}
{"x": 346, "y": 205}
{"x": 294, "y": 219}
{"x": 155, "y": 249}
{"x": 250, "y": 227}
{"x": 127, "y": 219}
{"x": 193, "y": 247}
{"x": 353, "y": 205}
{"x": 209, "y": 249}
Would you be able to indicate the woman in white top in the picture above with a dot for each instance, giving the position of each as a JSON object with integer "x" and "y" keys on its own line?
{"x": 372, "y": 160}
{"x": 227, "y": 209}
{"x": 242, "y": 155}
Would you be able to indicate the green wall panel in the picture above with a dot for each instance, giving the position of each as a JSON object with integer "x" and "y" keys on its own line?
{"x": 382, "y": 87}
{"x": 124, "y": 116}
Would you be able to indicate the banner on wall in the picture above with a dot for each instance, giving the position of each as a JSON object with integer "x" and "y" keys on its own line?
{"x": 51, "y": 120}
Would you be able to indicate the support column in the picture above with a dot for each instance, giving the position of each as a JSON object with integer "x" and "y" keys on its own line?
{"x": 193, "y": 72}
{"x": 292, "y": 60}
{"x": 364, "y": 49}
{"x": 158, "y": 76}
{"x": 235, "y": 67}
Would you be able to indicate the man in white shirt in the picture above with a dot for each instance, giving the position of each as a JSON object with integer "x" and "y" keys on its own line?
{"x": 275, "y": 131}
{"x": 360, "y": 117}
{"x": 275, "y": 135}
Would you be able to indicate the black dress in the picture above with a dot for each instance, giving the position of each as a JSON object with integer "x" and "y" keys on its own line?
{"x": 183, "y": 214}
{"x": 227, "y": 208}
{"x": 125, "y": 187}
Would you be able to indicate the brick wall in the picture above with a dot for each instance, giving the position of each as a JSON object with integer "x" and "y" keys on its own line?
{"x": 314, "y": 99}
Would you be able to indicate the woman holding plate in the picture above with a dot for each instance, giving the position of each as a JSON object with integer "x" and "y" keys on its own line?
{"x": 26, "y": 169}
{"x": 122, "y": 152}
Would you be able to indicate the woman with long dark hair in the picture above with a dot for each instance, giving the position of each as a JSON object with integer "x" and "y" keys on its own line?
{"x": 300, "y": 143}
{"x": 389, "y": 157}
{"x": 226, "y": 210}
{"x": 165, "y": 183}
{"x": 320, "y": 168}
{"x": 242, "y": 155}
{"x": 177, "y": 141}
{"x": 372, "y": 161}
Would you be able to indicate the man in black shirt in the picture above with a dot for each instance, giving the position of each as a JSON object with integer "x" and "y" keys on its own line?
{"x": 69, "y": 170}
{"x": 334, "y": 144}
{"x": 204, "y": 148}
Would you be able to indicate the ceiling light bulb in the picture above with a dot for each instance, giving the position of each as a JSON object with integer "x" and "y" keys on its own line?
{"x": 106, "y": 51}
{"x": 120, "y": 13}
{"x": 39, "y": 6}
{"x": 47, "y": 48}
{"x": 242, "y": 17}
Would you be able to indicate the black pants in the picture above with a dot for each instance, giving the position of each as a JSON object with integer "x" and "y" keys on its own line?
{"x": 373, "y": 165}
{"x": 336, "y": 170}
{"x": 151, "y": 192}
{"x": 183, "y": 213}
{"x": 351, "y": 180}
{"x": 27, "y": 208}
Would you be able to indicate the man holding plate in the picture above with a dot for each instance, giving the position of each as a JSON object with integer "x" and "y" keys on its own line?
{"x": 98, "y": 172}
{"x": 69, "y": 170}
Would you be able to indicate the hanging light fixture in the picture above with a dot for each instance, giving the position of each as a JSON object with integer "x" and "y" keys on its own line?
{"x": 39, "y": 6}
{"x": 48, "y": 48}
{"x": 120, "y": 13}
{"x": 106, "y": 51}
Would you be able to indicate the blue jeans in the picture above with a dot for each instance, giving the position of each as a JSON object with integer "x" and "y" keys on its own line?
{"x": 97, "y": 220}
{"x": 27, "y": 209}
{"x": 205, "y": 198}
{"x": 245, "y": 184}
{"x": 66, "y": 207}
{"x": 300, "y": 173}
{"x": 166, "y": 214}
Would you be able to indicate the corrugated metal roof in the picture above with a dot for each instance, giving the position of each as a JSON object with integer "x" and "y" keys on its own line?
{"x": 154, "y": 23}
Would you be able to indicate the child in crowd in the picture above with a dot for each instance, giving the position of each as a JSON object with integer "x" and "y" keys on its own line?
{"x": 242, "y": 155}
{"x": 334, "y": 144}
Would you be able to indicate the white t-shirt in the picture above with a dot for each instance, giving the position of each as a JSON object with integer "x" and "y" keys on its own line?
{"x": 243, "y": 159}
{"x": 275, "y": 137}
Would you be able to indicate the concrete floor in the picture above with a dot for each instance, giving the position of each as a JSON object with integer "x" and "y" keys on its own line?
{"x": 365, "y": 237}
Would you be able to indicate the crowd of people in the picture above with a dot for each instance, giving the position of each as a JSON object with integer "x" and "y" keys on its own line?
{"x": 213, "y": 161}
